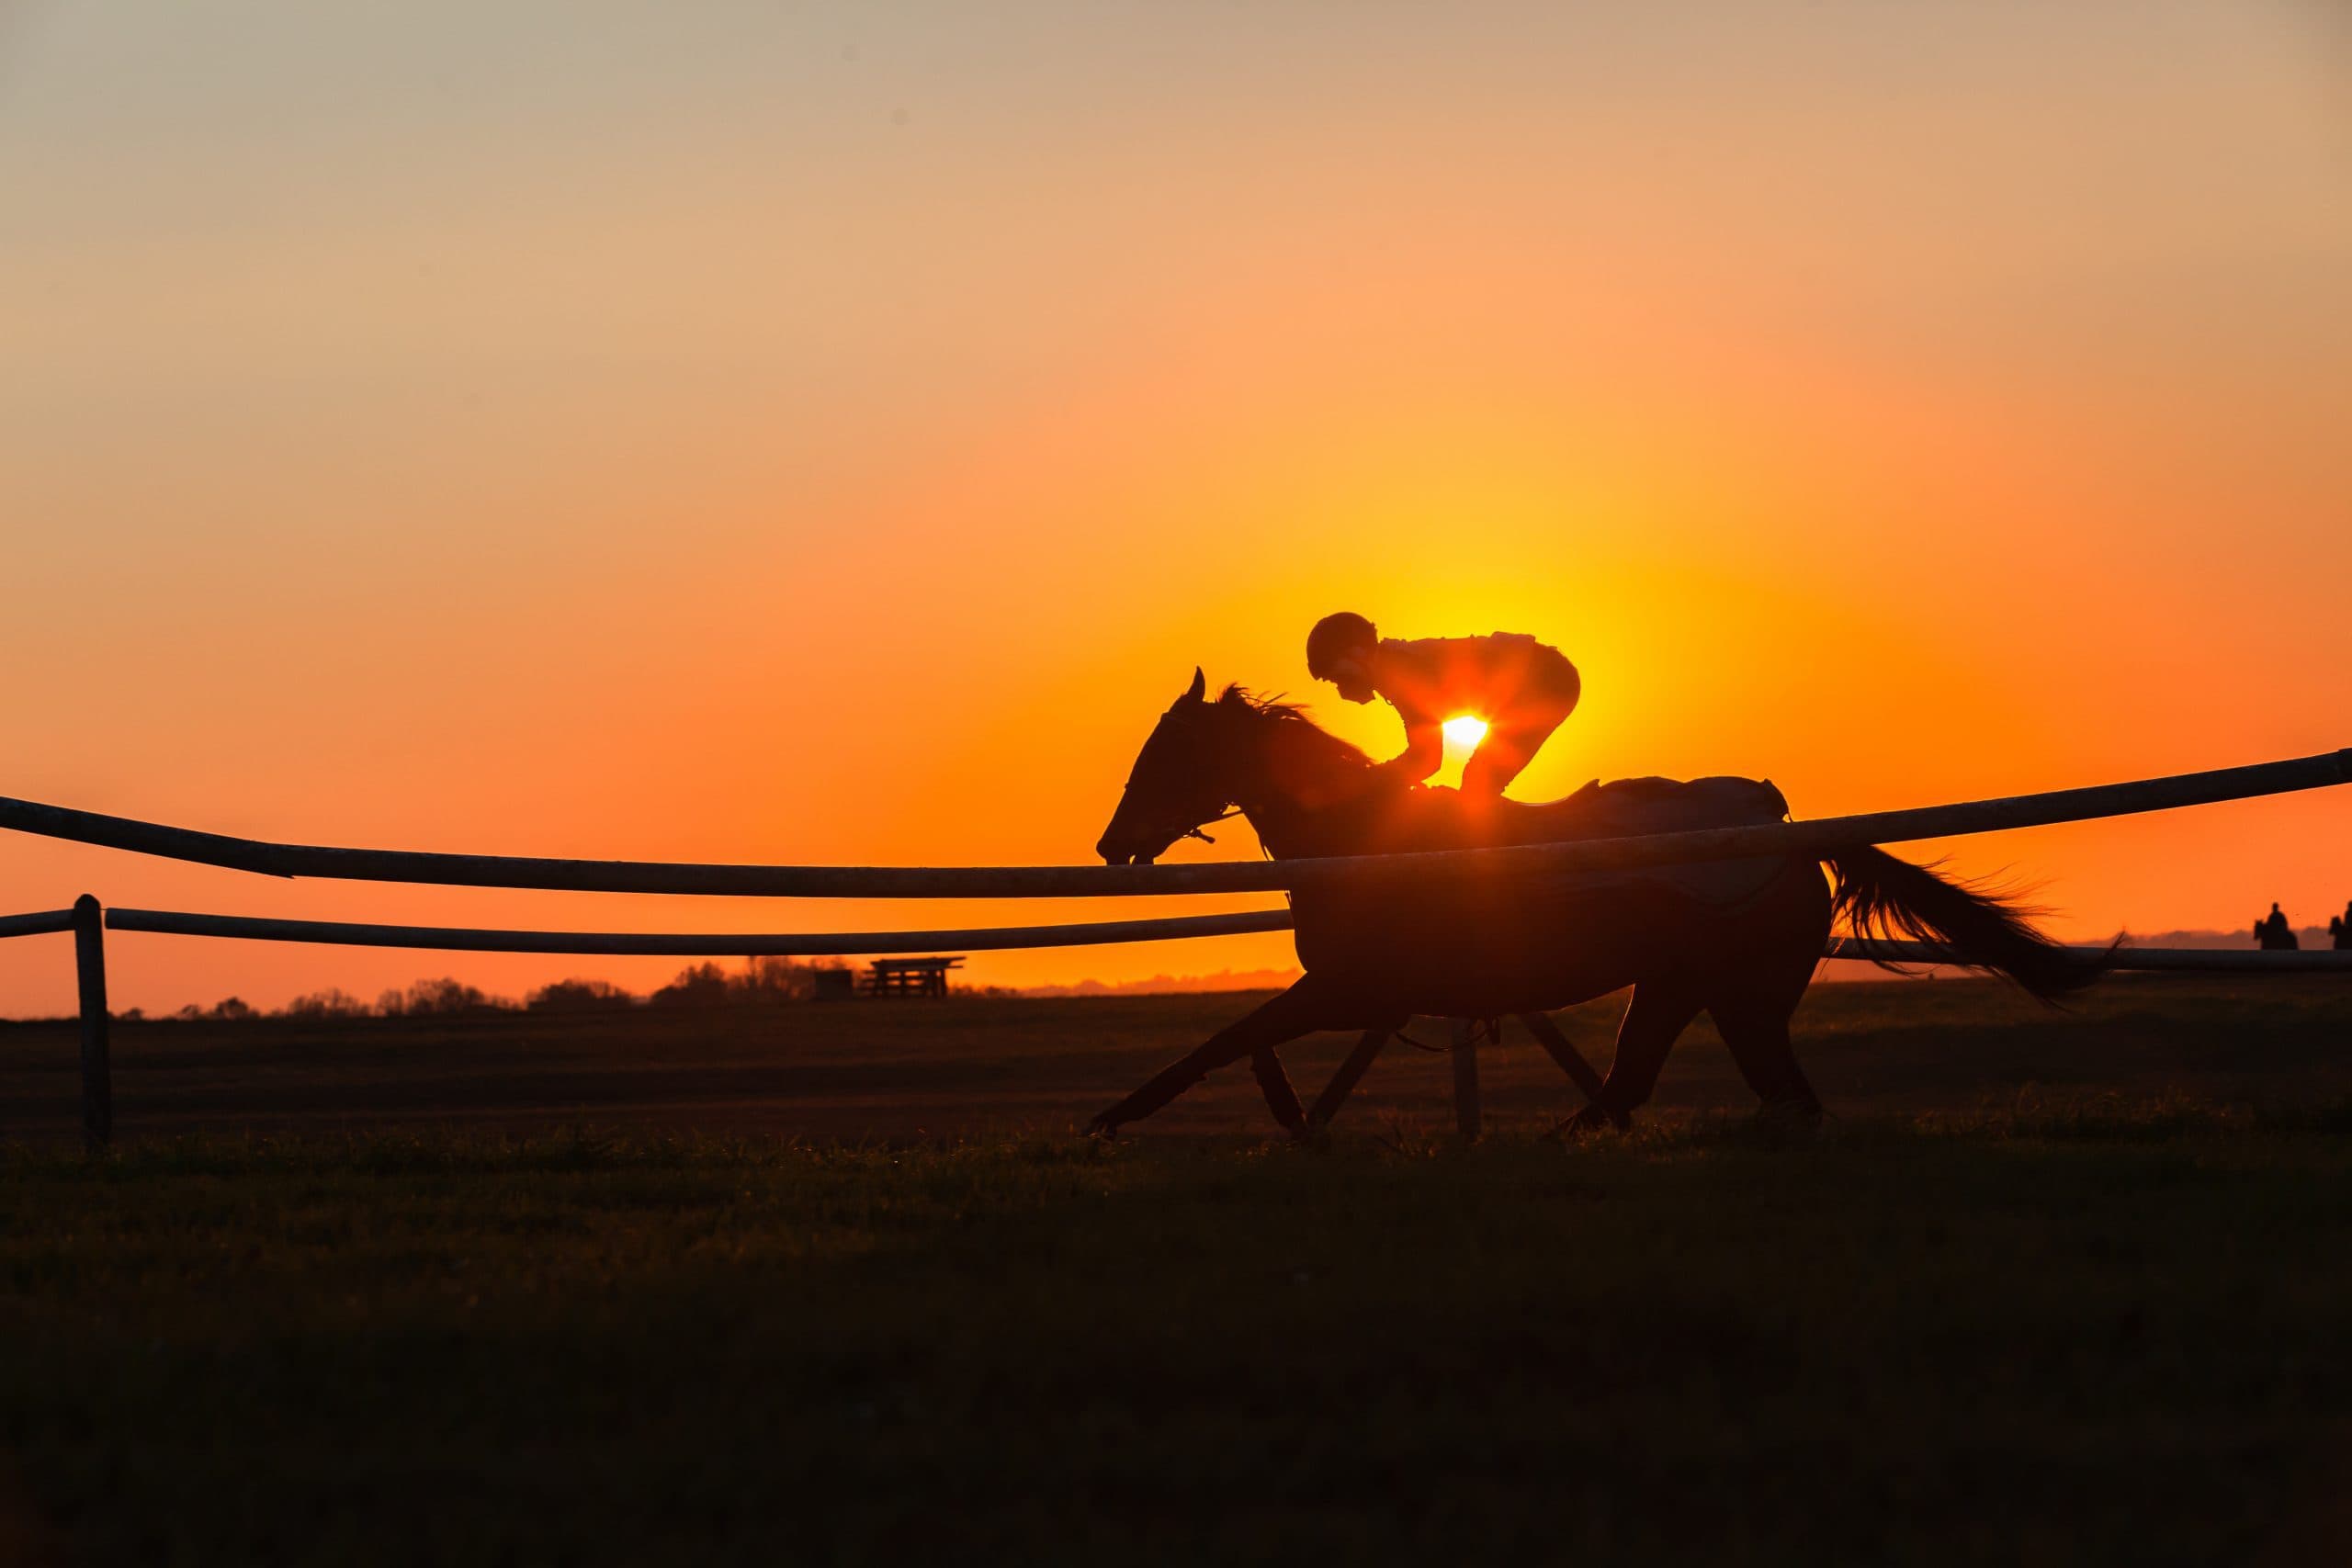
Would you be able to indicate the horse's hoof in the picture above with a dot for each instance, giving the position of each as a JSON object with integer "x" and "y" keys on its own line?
{"x": 1592, "y": 1118}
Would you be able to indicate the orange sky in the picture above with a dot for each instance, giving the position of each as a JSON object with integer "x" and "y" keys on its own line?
{"x": 832, "y": 436}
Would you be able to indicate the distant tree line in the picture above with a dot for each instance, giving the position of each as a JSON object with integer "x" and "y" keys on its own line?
{"x": 762, "y": 982}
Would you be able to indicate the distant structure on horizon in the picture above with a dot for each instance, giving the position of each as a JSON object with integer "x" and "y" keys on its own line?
{"x": 909, "y": 977}
{"x": 2273, "y": 934}
{"x": 2339, "y": 927}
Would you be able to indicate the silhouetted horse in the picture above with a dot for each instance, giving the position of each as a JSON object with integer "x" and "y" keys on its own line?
{"x": 2275, "y": 933}
{"x": 1739, "y": 940}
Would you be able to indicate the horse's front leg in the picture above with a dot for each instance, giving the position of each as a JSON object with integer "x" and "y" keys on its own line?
{"x": 1296, "y": 1012}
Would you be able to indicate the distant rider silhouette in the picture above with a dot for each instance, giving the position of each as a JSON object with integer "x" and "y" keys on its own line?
{"x": 1519, "y": 687}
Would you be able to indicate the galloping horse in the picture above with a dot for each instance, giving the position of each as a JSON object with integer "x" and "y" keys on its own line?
{"x": 1738, "y": 940}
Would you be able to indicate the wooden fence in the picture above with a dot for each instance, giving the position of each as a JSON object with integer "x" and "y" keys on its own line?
{"x": 89, "y": 920}
{"x": 1227, "y": 876}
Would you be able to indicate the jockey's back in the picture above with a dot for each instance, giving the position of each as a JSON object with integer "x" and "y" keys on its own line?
{"x": 1491, "y": 676}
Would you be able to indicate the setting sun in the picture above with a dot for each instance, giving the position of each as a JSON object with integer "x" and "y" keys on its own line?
{"x": 1465, "y": 731}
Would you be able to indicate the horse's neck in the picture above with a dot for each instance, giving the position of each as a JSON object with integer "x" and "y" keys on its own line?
{"x": 1289, "y": 830}
{"x": 1302, "y": 804}
{"x": 1358, "y": 812}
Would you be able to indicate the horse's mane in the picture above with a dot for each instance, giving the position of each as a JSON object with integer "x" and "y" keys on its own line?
{"x": 1308, "y": 741}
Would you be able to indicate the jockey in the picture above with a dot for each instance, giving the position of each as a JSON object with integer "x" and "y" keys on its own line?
{"x": 1519, "y": 687}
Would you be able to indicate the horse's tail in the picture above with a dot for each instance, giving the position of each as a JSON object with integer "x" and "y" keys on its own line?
{"x": 1885, "y": 898}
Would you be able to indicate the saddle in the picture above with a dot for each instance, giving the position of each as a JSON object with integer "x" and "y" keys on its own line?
{"x": 1626, "y": 808}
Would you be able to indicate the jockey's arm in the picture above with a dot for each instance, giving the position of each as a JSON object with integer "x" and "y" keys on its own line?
{"x": 1424, "y": 749}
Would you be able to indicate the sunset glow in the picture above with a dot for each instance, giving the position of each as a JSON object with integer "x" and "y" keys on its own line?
{"x": 1464, "y": 731}
{"x": 805, "y": 435}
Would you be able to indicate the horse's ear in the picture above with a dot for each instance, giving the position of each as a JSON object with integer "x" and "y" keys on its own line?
{"x": 1199, "y": 689}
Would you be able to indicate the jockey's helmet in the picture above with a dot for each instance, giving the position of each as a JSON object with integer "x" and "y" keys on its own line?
{"x": 1336, "y": 639}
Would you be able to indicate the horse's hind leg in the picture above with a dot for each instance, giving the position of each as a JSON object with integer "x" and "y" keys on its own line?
{"x": 1266, "y": 1066}
{"x": 1654, "y": 1020}
{"x": 1755, "y": 1026}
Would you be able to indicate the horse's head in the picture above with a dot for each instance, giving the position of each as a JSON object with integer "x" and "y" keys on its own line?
{"x": 1184, "y": 777}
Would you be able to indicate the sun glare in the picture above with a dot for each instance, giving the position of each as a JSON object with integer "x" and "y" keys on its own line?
{"x": 1465, "y": 731}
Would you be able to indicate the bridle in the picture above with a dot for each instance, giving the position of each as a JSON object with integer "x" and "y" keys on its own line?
{"x": 1197, "y": 832}
{"x": 1231, "y": 812}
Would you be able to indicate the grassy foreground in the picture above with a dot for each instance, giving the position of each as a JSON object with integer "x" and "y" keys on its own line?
{"x": 2087, "y": 1331}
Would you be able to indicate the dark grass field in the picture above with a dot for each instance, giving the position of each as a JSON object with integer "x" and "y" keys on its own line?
{"x": 838, "y": 1285}
{"x": 986, "y": 1066}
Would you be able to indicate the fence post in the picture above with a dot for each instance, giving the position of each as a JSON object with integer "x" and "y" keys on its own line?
{"x": 97, "y": 1070}
{"x": 1465, "y": 1078}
